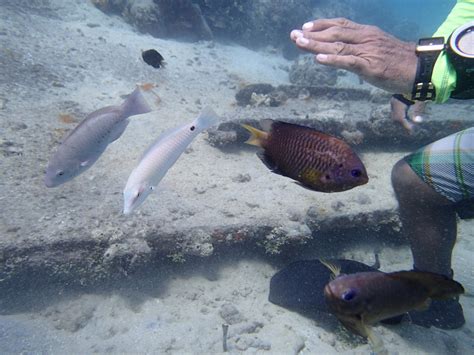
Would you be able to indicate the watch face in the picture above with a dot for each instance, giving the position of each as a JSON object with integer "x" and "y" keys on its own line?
{"x": 466, "y": 42}
{"x": 462, "y": 40}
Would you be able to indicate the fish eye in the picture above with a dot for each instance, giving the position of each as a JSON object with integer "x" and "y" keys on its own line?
{"x": 328, "y": 177}
{"x": 60, "y": 173}
{"x": 348, "y": 295}
{"x": 356, "y": 173}
{"x": 192, "y": 128}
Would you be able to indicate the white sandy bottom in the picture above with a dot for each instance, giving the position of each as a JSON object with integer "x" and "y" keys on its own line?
{"x": 181, "y": 310}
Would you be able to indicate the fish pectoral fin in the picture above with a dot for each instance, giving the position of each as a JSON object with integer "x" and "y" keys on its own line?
{"x": 85, "y": 163}
{"x": 311, "y": 175}
{"x": 354, "y": 325}
{"x": 375, "y": 340}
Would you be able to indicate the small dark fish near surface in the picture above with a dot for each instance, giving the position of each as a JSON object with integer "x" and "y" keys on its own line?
{"x": 85, "y": 144}
{"x": 314, "y": 159}
{"x": 153, "y": 58}
{"x": 365, "y": 298}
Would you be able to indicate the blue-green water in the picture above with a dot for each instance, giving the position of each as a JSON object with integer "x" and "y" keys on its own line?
{"x": 79, "y": 277}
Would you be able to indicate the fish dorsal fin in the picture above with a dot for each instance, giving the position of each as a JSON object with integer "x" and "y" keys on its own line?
{"x": 311, "y": 130}
{"x": 335, "y": 269}
{"x": 439, "y": 286}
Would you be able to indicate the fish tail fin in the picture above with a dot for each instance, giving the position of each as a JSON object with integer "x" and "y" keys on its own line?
{"x": 335, "y": 269}
{"x": 135, "y": 104}
{"x": 257, "y": 136}
{"x": 207, "y": 118}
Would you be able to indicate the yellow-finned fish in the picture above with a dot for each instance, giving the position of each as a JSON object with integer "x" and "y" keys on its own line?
{"x": 161, "y": 156}
{"x": 314, "y": 159}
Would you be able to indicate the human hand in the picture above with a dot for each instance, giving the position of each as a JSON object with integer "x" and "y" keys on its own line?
{"x": 407, "y": 115}
{"x": 376, "y": 56}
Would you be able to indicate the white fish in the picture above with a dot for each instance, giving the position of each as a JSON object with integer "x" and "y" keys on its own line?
{"x": 85, "y": 144}
{"x": 161, "y": 156}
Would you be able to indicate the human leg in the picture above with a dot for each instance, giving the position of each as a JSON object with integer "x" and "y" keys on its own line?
{"x": 431, "y": 185}
{"x": 428, "y": 220}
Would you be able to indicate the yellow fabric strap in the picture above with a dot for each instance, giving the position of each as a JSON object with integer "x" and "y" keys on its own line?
{"x": 444, "y": 75}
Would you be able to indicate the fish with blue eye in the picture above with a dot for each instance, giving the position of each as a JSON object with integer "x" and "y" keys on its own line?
{"x": 362, "y": 299}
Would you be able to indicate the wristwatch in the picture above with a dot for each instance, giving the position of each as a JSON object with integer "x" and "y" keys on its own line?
{"x": 427, "y": 50}
{"x": 460, "y": 51}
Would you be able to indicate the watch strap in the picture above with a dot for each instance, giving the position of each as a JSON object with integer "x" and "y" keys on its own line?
{"x": 428, "y": 50}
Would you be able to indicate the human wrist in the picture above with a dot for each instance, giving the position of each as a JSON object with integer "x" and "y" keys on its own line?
{"x": 410, "y": 64}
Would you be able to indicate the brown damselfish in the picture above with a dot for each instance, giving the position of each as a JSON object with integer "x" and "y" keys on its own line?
{"x": 362, "y": 299}
{"x": 316, "y": 160}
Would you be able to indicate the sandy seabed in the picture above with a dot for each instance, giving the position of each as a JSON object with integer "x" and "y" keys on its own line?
{"x": 71, "y": 58}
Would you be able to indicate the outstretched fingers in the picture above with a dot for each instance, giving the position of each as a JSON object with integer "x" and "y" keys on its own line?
{"x": 335, "y": 34}
{"x": 316, "y": 47}
{"x": 323, "y": 24}
{"x": 349, "y": 62}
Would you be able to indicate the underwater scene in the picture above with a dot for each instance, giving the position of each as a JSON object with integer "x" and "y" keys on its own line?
{"x": 210, "y": 177}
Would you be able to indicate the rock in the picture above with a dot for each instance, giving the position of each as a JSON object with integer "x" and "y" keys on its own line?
{"x": 248, "y": 22}
{"x": 249, "y": 328}
{"x": 244, "y": 95}
{"x": 245, "y": 342}
{"x": 306, "y": 72}
{"x": 230, "y": 314}
{"x": 162, "y": 18}
{"x": 242, "y": 178}
{"x": 145, "y": 15}
{"x": 355, "y": 137}
{"x": 9, "y": 148}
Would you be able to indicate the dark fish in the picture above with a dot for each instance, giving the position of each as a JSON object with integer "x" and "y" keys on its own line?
{"x": 300, "y": 285}
{"x": 153, "y": 58}
{"x": 314, "y": 159}
{"x": 365, "y": 298}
